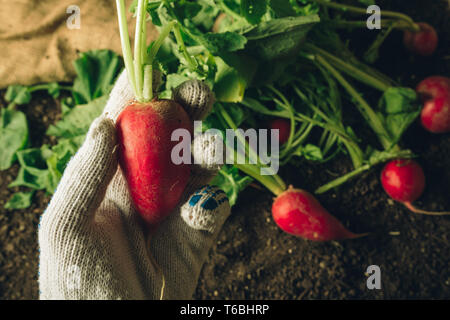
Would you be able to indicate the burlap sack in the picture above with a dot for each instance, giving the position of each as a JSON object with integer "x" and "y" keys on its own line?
{"x": 37, "y": 46}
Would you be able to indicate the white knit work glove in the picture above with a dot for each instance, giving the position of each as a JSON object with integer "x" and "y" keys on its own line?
{"x": 92, "y": 243}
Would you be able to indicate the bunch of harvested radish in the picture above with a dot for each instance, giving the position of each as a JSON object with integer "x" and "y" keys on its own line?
{"x": 145, "y": 127}
{"x": 295, "y": 211}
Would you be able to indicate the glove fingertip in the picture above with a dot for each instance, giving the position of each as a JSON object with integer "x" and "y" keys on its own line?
{"x": 102, "y": 127}
{"x": 207, "y": 209}
{"x": 196, "y": 98}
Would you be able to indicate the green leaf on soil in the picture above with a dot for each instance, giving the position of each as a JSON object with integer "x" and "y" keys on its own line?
{"x": 20, "y": 200}
{"x": 18, "y": 94}
{"x": 43, "y": 168}
{"x": 33, "y": 172}
{"x": 13, "y": 135}
{"x": 76, "y": 121}
{"x": 96, "y": 72}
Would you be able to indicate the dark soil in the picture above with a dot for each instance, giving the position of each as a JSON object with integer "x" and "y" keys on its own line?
{"x": 253, "y": 259}
{"x": 18, "y": 228}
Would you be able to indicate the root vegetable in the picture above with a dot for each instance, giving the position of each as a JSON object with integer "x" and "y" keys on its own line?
{"x": 435, "y": 94}
{"x": 144, "y": 133}
{"x": 424, "y": 42}
{"x": 298, "y": 212}
{"x": 404, "y": 181}
{"x": 284, "y": 127}
{"x": 145, "y": 127}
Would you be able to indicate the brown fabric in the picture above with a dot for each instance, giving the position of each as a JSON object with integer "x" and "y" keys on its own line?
{"x": 36, "y": 45}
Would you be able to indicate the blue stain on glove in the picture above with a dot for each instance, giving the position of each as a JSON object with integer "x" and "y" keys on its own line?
{"x": 212, "y": 200}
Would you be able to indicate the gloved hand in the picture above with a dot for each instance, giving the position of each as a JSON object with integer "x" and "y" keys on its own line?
{"x": 92, "y": 243}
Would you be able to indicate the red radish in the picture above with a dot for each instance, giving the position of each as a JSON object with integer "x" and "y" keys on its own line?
{"x": 144, "y": 128}
{"x": 435, "y": 94}
{"x": 404, "y": 181}
{"x": 144, "y": 133}
{"x": 297, "y": 212}
{"x": 284, "y": 127}
{"x": 423, "y": 42}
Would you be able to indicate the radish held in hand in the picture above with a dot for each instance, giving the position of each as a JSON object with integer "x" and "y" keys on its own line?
{"x": 144, "y": 134}
{"x": 423, "y": 42}
{"x": 297, "y": 212}
{"x": 435, "y": 94}
{"x": 145, "y": 127}
{"x": 404, "y": 181}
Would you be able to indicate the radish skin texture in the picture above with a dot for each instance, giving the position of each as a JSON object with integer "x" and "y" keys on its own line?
{"x": 403, "y": 180}
{"x": 423, "y": 42}
{"x": 435, "y": 94}
{"x": 298, "y": 212}
{"x": 284, "y": 127}
{"x": 144, "y": 134}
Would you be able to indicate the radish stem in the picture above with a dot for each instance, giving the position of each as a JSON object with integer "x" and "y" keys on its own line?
{"x": 140, "y": 69}
{"x": 364, "y": 108}
{"x": 290, "y": 110}
{"x": 158, "y": 42}
{"x": 229, "y": 121}
{"x": 250, "y": 103}
{"x": 350, "y": 69}
{"x": 402, "y": 154}
{"x": 148, "y": 82}
{"x": 46, "y": 87}
{"x": 266, "y": 181}
{"x": 125, "y": 42}
{"x": 139, "y": 43}
{"x": 398, "y": 24}
{"x": 272, "y": 182}
{"x": 389, "y": 14}
{"x": 353, "y": 149}
{"x": 342, "y": 179}
{"x": 378, "y": 42}
{"x": 192, "y": 64}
